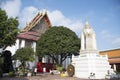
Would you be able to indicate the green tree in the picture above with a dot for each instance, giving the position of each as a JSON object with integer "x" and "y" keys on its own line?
{"x": 58, "y": 41}
{"x": 24, "y": 55}
{"x": 1, "y": 65}
{"x": 8, "y": 30}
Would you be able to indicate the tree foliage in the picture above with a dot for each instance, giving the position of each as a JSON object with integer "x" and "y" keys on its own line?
{"x": 58, "y": 41}
{"x": 8, "y": 30}
{"x": 24, "y": 55}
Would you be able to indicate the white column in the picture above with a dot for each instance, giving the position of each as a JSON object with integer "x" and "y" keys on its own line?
{"x": 114, "y": 67}
{"x": 22, "y": 43}
{"x": 82, "y": 42}
{"x": 94, "y": 42}
{"x": 17, "y": 44}
{"x": 34, "y": 46}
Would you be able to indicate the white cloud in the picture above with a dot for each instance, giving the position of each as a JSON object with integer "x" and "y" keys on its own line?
{"x": 56, "y": 17}
{"x": 12, "y": 7}
{"x": 116, "y": 41}
{"x": 27, "y": 14}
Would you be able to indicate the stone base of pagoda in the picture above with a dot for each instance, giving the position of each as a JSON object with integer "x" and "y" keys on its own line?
{"x": 92, "y": 66}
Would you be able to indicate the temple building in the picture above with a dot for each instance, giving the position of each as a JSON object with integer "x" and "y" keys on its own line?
{"x": 113, "y": 58}
{"x": 29, "y": 35}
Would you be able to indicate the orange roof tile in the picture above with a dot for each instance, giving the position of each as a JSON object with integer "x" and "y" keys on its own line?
{"x": 111, "y": 53}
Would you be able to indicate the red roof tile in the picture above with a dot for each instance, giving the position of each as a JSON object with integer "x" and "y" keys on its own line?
{"x": 29, "y": 35}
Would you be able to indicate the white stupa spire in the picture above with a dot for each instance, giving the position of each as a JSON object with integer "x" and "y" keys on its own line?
{"x": 88, "y": 38}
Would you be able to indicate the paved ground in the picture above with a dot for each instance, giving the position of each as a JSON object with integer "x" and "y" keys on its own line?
{"x": 47, "y": 77}
{"x": 42, "y": 77}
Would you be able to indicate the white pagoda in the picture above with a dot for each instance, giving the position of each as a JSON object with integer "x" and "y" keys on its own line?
{"x": 90, "y": 63}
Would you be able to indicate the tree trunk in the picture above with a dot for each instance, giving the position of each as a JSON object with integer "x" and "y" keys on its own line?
{"x": 59, "y": 60}
{"x": 54, "y": 58}
{"x": 61, "y": 57}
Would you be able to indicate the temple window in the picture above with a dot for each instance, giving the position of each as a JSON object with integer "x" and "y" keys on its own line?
{"x": 28, "y": 43}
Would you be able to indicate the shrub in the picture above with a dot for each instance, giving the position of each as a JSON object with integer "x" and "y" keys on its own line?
{"x": 59, "y": 68}
{"x": 11, "y": 74}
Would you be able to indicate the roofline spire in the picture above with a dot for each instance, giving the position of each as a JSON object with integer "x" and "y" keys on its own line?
{"x": 86, "y": 21}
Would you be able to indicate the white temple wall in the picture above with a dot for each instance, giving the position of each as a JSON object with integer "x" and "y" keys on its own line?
{"x": 19, "y": 45}
{"x": 22, "y": 43}
{"x": 13, "y": 48}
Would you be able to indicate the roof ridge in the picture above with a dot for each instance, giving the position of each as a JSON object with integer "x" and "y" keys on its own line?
{"x": 110, "y": 50}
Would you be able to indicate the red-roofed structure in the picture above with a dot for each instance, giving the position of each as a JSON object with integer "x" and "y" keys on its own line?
{"x": 34, "y": 36}
{"x": 31, "y": 33}
{"x": 35, "y": 28}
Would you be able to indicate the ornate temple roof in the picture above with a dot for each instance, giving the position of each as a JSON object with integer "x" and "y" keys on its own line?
{"x": 27, "y": 33}
{"x": 35, "y": 21}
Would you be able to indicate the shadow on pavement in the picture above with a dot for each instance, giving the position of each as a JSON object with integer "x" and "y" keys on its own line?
{"x": 14, "y": 78}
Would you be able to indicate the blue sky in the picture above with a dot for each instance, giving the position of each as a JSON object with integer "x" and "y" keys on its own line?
{"x": 103, "y": 16}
